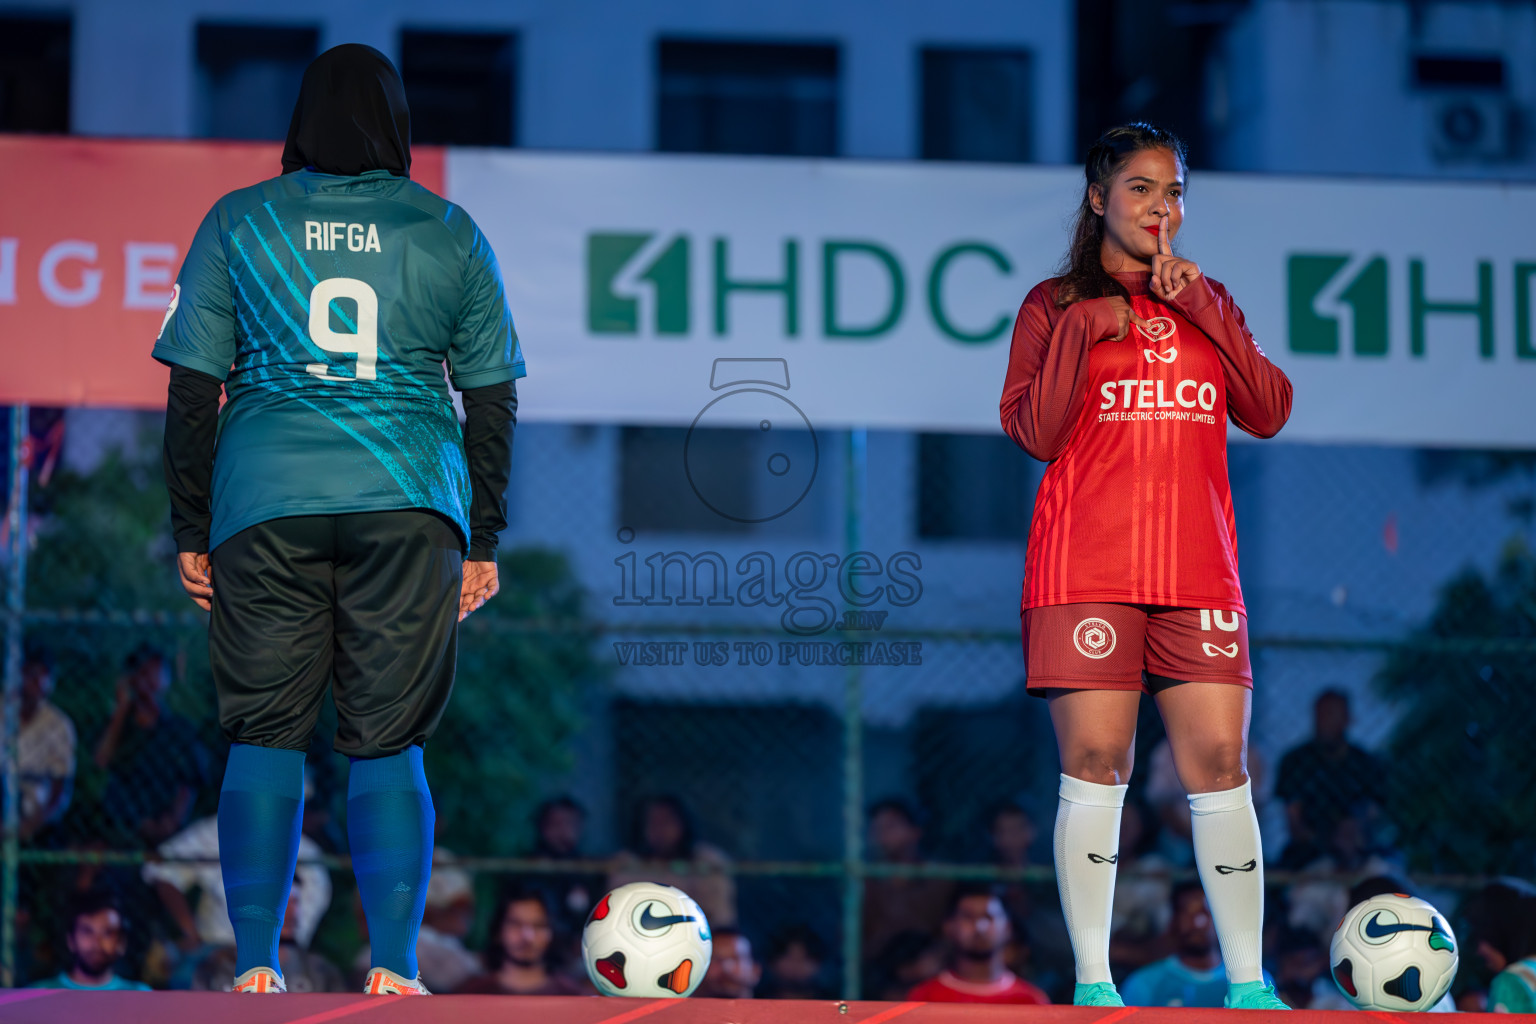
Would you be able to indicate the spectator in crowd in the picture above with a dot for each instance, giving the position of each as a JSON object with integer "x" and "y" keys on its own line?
{"x": 1140, "y": 914}
{"x": 1013, "y": 834}
{"x": 1317, "y": 902}
{"x": 558, "y": 825}
{"x": 908, "y": 959}
{"x": 1193, "y": 974}
{"x": 1501, "y": 927}
{"x": 45, "y": 747}
{"x": 893, "y": 905}
{"x": 1035, "y": 907}
{"x": 519, "y": 952}
{"x": 96, "y": 935}
{"x": 1472, "y": 1000}
{"x": 154, "y": 760}
{"x": 189, "y": 871}
{"x": 1301, "y": 970}
{"x": 977, "y": 931}
{"x": 302, "y": 969}
{"x": 797, "y": 965}
{"x": 664, "y": 831}
{"x": 1326, "y": 780}
{"x": 733, "y": 972}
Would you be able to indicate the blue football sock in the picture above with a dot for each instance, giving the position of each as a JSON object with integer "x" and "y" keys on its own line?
{"x": 260, "y": 810}
{"x": 389, "y": 827}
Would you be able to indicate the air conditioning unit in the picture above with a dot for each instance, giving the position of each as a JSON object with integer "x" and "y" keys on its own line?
{"x": 1472, "y": 127}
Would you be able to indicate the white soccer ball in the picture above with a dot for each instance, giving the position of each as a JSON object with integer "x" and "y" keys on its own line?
{"x": 1393, "y": 952}
{"x": 647, "y": 940}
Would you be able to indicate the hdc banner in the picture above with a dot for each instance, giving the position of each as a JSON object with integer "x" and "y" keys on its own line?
{"x": 644, "y": 287}
{"x": 1401, "y": 311}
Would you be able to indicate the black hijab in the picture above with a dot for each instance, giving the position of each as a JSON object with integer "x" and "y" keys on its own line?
{"x": 351, "y": 116}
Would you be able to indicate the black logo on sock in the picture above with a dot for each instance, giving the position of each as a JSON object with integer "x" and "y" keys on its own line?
{"x": 1096, "y": 859}
{"x": 1222, "y": 869}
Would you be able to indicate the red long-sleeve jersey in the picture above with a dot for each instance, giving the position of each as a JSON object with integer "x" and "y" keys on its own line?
{"x": 1135, "y": 506}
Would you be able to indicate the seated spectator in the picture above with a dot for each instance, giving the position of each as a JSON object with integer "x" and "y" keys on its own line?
{"x": 1325, "y": 780}
{"x": 45, "y": 747}
{"x": 1301, "y": 971}
{"x": 908, "y": 960}
{"x": 977, "y": 930}
{"x": 96, "y": 935}
{"x": 302, "y": 970}
{"x": 191, "y": 872}
{"x": 664, "y": 831}
{"x": 1139, "y": 919}
{"x": 1193, "y": 975}
{"x": 1501, "y": 927}
{"x": 733, "y": 973}
{"x": 893, "y": 905}
{"x": 1317, "y": 903}
{"x": 558, "y": 825}
{"x": 1035, "y": 906}
{"x": 518, "y": 951}
{"x": 796, "y": 967}
{"x": 154, "y": 760}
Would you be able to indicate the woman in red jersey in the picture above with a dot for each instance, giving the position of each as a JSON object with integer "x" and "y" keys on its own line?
{"x": 1122, "y": 375}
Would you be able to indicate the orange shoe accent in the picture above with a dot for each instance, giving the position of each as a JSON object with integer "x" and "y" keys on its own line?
{"x": 384, "y": 982}
{"x": 259, "y": 980}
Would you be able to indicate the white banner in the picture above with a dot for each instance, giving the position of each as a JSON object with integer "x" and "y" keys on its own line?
{"x": 650, "y": 289}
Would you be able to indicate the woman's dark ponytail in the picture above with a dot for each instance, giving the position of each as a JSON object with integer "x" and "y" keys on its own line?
{"x": 1082, "y": 270}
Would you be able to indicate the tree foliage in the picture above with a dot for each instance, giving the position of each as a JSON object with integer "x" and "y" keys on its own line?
{"x": 1465, "y": 792}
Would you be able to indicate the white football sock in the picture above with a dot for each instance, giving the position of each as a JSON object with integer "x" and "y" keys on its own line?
{"x": 1087, "y": 850}
{"x": 1231, "y": 863}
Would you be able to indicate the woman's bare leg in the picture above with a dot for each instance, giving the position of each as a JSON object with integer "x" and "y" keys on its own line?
{"x": 1096, "y": 735}
{"x": 1208, "y": 735}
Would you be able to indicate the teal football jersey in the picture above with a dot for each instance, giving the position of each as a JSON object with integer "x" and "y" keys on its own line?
{"x": 328, "y": 305}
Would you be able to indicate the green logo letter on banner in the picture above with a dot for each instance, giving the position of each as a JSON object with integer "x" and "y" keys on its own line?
{"x": 936, "y": 292}
{"x": 830, "y": 251}
{"x": 1307, "y": 276}
{"x": 611, "y": 313}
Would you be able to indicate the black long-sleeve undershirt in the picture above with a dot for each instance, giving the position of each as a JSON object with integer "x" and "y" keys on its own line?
{"x": 490, "y": 417}
{"x": 191, "y": 428}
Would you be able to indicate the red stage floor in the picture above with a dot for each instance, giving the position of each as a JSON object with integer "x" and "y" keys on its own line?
{"x": 51, "y": 1006}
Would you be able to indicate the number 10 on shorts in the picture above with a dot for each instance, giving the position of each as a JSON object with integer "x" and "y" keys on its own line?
{"x": 1222, "y": 622}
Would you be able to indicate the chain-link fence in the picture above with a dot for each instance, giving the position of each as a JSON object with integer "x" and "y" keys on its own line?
{"x": 814, "y": 721}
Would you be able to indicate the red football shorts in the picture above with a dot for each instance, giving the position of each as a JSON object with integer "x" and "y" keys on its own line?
{"x": 1132, "y": 647}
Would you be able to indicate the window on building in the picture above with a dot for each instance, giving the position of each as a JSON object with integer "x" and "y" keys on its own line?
{"x": 973, "y": 487}
{"x": 654, "y": 470}
{"x": 248, "y": 78}
{"x": 778, "y": 99}
{"x": 462, "y": 86}
{"x": 1458, "y": 72}
{"x": 34, "y": 73}
{"x": 976, "y": 105}
{"x": 721, "y": 480}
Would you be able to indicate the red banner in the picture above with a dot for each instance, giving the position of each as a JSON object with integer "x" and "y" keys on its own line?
{"x": 92, "y": 233}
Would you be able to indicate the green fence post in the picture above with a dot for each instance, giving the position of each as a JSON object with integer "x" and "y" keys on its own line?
{"x": 15, "y": 604}
{"x": 854, "y": 476}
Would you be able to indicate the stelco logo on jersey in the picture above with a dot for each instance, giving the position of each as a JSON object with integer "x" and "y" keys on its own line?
{"x": 1338, "y": 301}
{"x": 641, "y": 283}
